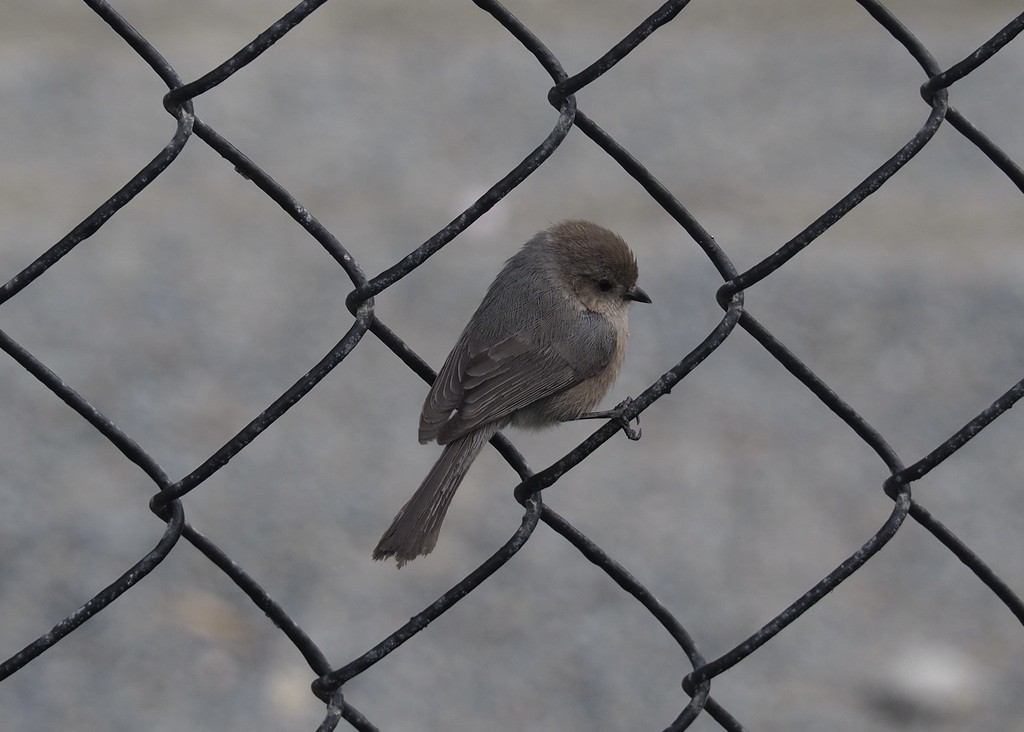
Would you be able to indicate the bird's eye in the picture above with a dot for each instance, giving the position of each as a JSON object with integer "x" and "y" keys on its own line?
{"x": 604, "y": 285}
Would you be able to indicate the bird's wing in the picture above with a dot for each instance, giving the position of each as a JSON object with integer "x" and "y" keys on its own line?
{"x": 445, "y": 395}
{"x": 479, "y": 384}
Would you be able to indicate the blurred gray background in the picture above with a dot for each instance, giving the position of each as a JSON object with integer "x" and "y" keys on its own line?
{"x": 200, "y": 302}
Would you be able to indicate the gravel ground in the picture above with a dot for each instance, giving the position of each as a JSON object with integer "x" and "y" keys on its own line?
{"x": 200, "y": 302}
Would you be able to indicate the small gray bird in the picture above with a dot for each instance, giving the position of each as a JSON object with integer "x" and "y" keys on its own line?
{"x": 544, "y": 346}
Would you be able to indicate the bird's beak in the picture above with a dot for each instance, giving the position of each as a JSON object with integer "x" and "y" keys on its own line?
{"x": 638, "y": 295}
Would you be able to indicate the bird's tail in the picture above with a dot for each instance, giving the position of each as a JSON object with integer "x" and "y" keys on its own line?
{"x": 416, "y": 526}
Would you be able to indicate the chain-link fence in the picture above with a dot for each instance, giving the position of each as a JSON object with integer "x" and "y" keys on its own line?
{"x": 364, "y": 294}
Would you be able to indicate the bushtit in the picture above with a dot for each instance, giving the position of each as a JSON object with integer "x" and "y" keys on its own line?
{"x": 544, "y": 346}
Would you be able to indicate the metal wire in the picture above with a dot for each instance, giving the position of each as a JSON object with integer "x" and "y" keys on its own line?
{"x": 168, "y": 502}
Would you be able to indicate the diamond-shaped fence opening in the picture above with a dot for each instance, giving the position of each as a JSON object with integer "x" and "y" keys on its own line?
{"x": 754, "y": 501}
